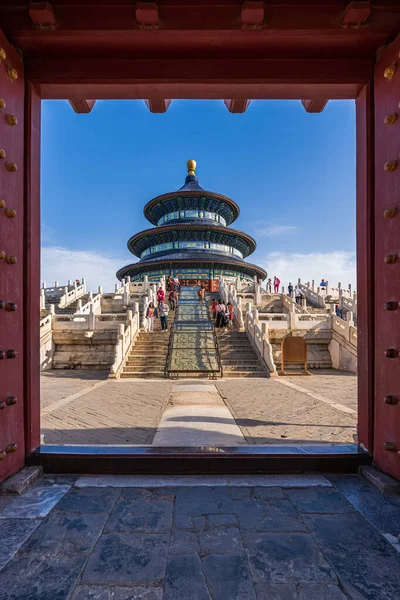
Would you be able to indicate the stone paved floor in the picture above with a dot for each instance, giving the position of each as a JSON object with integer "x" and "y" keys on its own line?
{"x": 269, "y": 411}
{"x": 287, "y": 541}
{"x": 82, "y": 407}
{"x": 116, "y": 412}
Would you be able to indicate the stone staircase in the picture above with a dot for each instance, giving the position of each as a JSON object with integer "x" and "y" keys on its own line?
{"x": 72, "y": 308}
{"x": 238, "y": 357}
{"x": 148, "y": 356}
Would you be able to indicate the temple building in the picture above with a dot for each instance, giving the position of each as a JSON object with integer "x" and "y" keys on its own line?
{"x": 191, "y": 238}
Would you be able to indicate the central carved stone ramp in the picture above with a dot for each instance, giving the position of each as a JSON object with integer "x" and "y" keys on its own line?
{"x": 238, "y": 357}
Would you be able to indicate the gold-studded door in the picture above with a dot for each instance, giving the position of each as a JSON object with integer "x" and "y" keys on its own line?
{"x": 387, "y": 261}
{"x": 12, "y": 447}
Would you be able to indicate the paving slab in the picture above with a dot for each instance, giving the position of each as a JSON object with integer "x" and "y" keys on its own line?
{"x": 96, "y": 592}
{"x": 228, "y": 577}
{"x": 152, "y": 481}
{"x": 36, "y": 502}
{"x": 366, "y": 564}
{"x": 268, "y": 515}
{"x": 40, "y": 577}
{"x": 202, "y": 501}
{"x": 185, "y": 579}
{"x": 66, "y": 533}
{"x": 89, "y": 500}
{"x": 126, "y": 558}
{"x": 197, "y": 425}
{"x": 13, "y": 533}
{"x": 286, "y": 557}
{"x": 226, "y": 540}
{"x": 140, "y": 516}
{"x": 382, "y": 511}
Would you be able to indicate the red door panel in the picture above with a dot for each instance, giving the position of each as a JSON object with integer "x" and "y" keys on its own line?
{"x": 387, "y": 261}
{"x": 12, "y": 450}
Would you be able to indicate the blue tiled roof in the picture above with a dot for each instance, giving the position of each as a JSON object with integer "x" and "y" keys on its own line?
{"x": 191, "y": 185}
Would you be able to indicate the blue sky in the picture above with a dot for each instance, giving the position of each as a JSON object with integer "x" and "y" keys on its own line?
{"x": 292, "y": 174}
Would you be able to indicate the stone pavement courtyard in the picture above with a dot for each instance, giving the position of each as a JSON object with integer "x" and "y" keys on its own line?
{"x": 261, "y": 537}
{"x": 84, "y": 407}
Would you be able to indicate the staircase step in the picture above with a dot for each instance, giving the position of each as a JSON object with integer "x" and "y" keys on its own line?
{"x": 255, "y": 367}
{"x": 244, "y": 362}
{"x": 143, "y": 368}
{"x": 229, "y": 374}
{"x": 144, "y": 374}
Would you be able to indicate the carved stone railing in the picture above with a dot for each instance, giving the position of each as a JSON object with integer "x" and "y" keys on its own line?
{"x": 258, "y": 335}
{"x": 228, "y": 293}
{"x": 61, "y": 295}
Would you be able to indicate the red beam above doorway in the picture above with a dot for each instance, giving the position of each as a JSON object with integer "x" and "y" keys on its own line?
{"x": 315, "y": 106}
{"x": 157, "y": 105}
{"x": 237, "y": 105}
{"x": 82, "y": 106}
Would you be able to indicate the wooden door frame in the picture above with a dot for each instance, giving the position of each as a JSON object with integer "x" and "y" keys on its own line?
{"x": 365, "y": 229}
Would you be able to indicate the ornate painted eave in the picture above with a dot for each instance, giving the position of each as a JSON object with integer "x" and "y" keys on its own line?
{"x": 219, "y": 262}
{"x": 177, "y": 232}
{"x": 161, "y": 205}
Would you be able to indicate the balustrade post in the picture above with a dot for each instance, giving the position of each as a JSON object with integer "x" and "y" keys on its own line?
{"x": 313, "y": 285}
{"x": 91, "y": 318}
{"x": 116, "y": 287}
{"x": 283, "y": 289}
{"x": 257, "y": 295}
{"x": 56, "y": 284}
{"x": 69, "y": 282}
{"x": 303, "y": 303}
{"x": 299, "y": 281}
{"x": 79, "y": 306}
{"x": 42, "y": 299}
{"x": 100, "y": 288}
{"x": 44, "y": 285}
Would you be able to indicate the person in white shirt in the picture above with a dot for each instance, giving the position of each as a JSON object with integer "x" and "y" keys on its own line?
{"x": 221, "y": 308}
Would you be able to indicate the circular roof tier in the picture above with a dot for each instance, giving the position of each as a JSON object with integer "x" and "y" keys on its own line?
{"x": 193, "y": 231}
{"x": 191, "y": 196}
{"x": 188, "y": 261}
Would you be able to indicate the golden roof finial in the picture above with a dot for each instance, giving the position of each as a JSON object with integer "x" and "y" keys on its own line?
{"x": 191, "y": 166}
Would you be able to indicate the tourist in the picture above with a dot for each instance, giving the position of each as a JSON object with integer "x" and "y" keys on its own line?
{"x": 290, "y": 288}
{"x": 277, "y": 283}
{"x": 172, "y": 297}
{"x": 200, "y": 293}
{"x": 338, "y": 311}
{"x": 323, "y": 283}
{"x": 176, "y": 284}
{"x": 221, "y": 309}
{"x": 170, "y": 285}
{"x": 151, "y": 314}
{"x": 214, "y": 308}
{"x": 160, "y": 296}
{"x": 269, "y": 286}
{"x": 297, "y": 294}
{"x": 163, "y": 310}
{"x": 230, "y": 311}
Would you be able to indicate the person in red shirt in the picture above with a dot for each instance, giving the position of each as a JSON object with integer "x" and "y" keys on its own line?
{"x": 277, "y": 283}
{"x": 214, "y": 308}
{"x": 160, "y": 295}
{"x": 230, "y": 310}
